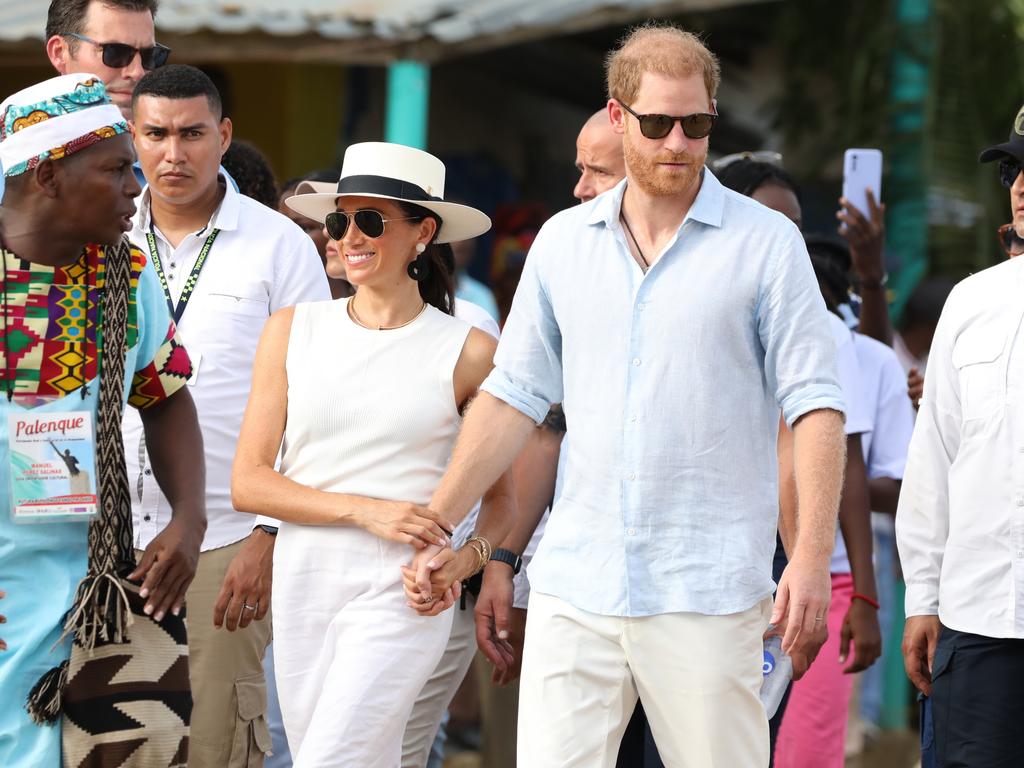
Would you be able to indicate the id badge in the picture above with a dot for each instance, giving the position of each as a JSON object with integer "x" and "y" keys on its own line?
{"x": 53, "y": 466}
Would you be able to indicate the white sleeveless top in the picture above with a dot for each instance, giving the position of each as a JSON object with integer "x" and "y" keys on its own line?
{"x": 371, "y": 413}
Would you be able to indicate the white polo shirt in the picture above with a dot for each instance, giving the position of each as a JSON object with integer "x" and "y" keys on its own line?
{"x": 259, "y": 262}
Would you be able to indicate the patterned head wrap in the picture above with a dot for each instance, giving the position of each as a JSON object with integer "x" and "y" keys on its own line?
{"x": 54, "y": 119}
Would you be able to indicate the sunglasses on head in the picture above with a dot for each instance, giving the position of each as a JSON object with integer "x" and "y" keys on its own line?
{"x": 1009, "y": 169}
{"x": 120, "y": 55}
{"x": 1012, "y": 243}
{"x": 696, "y": 126}
{"x": 370, "y": 222}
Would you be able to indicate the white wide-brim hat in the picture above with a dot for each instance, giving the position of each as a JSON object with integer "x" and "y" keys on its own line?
{"x": 393, "y": 172}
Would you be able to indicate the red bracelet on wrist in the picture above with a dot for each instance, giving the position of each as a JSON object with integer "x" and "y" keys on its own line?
{"x": 858, "y": 596}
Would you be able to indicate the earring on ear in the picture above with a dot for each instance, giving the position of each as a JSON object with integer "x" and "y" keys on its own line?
{"x": 419, "y": 267}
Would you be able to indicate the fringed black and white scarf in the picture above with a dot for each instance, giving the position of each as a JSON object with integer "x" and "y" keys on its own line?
{"x": 125, "y": 696}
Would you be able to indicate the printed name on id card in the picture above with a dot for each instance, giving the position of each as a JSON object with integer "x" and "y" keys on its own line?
{"x": 53, "y": 466}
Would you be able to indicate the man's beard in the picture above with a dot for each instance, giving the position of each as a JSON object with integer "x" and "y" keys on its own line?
{"x": 658, "y": 181}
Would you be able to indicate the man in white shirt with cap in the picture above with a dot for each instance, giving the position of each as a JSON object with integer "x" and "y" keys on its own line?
{"x": 960, "y": 521}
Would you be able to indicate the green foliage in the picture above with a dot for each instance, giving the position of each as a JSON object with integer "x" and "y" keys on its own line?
{"x": 838, "y": 91}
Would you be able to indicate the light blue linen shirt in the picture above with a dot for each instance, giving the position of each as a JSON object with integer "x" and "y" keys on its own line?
{"x": 672, "y": 383}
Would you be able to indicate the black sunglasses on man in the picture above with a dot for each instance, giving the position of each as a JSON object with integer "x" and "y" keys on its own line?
{"x": 120, "y": 55}
{"x": 654, "y": 126}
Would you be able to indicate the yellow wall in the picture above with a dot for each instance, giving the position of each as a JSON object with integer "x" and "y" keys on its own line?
{"x": 292, "y": 112}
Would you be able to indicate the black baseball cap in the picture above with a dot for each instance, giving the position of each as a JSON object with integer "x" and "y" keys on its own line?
{"x": 1013, "y": 148}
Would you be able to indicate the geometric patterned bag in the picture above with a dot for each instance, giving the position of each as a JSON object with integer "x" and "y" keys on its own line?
{"x": 125, "y": 696}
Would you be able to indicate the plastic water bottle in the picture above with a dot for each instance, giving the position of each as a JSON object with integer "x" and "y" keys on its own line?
{"x": 778, "y": 671}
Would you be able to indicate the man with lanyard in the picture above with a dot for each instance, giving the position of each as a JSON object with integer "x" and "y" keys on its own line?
{"x": 226, "y": 263}
{"x": 696, "y": 309}
{"x": 69, "y": 198}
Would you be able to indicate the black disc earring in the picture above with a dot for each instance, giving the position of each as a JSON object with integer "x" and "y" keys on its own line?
{"x": 418, "y": 268}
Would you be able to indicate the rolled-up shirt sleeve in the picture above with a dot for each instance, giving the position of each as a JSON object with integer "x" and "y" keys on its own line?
{"x": 922, "y": 517}
{"x": 528, "y": 362}
{"x": 800, "y": 353}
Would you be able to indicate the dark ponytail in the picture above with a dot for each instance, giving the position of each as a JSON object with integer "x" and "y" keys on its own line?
{"x": 437, "y": 286}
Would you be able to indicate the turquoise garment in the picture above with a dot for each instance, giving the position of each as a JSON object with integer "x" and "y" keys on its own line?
{"x": 41, "y": 564}
{"x": 470, "y": 289}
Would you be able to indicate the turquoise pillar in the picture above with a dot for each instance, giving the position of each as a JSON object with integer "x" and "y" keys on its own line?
{"x": 906, "y": 197}
{"x": 408, "y": 104}
{"x": 907, "y": 236}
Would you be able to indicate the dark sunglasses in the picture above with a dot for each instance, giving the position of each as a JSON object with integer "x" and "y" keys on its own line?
{"x": 120, "y": 55}
{"x": 370, "y": 222}
{"x": 1009, "y": 169}
{"x": 696, "y": 126}
{"x": 1012, "y": 243}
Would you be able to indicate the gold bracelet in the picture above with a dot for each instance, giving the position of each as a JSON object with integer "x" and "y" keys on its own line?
{"x": 483, "y": 550}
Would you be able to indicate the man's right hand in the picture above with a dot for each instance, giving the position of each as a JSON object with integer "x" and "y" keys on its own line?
{"x": 920, "y": 635}
{"x": 405, "y": 522}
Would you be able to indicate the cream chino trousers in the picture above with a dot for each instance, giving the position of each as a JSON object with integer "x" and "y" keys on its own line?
{"x": 698, "y": 677}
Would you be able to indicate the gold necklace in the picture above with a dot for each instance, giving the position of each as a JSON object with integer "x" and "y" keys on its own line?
{"x": 355, "y": 316}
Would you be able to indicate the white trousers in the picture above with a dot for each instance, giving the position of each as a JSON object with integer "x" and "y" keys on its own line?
{"x": 440, "y": 688}
{"x": 350, "y": 656}
{"x": 698, "y": 677}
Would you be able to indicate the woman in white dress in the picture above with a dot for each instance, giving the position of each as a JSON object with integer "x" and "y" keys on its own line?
{"x": 362, "y": 398}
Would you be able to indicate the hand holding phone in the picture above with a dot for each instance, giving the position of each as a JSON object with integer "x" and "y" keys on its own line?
{"x": 862, "y": 170}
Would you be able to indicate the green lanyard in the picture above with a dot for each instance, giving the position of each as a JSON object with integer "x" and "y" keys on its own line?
{"x": 193, "y": 278}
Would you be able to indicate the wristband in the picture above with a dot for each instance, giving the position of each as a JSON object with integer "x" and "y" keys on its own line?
{"x": 876, "y": 284}
{"x": 858, "y": 596}
{"x": 509, "y": 558}
{"x": 267, "y": 529}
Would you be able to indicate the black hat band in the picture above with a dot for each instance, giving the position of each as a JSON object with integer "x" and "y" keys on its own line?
{"x": 385, "y": 186}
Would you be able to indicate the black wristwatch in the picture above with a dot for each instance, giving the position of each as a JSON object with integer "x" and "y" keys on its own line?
{"x": 270, "y": 530}
{"x": 509, "y": 558}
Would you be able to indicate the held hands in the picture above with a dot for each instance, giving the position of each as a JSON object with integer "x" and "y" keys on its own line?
{"x": 865, "y": 237}
{"x": 801, "y": 609}
{"x": 920, "y": 636}
{"x": 245, "y": 594}
{"x": 500, "y": 628}
{"x": 407, "y": 523}
{"x": 168, "y": 566}
{"x": 861, "y": 626}
{"x": 433, "y": 580}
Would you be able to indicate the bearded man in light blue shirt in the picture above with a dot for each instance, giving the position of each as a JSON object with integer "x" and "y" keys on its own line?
{"x": 673, "y": 319}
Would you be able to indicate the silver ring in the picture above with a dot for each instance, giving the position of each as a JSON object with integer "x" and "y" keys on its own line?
{"x": 248, "y": 607}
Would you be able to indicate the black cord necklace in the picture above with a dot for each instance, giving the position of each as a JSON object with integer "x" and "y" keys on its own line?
{"x": 639, "y": 252}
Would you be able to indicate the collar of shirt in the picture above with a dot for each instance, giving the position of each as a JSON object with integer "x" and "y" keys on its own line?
{"x": 707, "y": 207}
{"x": 225, "y": 217}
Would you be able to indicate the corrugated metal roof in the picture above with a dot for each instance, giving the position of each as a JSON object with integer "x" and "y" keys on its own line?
{"x": 398, "y": 21}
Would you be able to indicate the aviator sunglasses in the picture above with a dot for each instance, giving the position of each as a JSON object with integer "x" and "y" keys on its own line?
{"x": 1008, "y": 171}
{"x": 696, "y": 126}
{"x": 370, "y": 222}
{"x": 120, "y": 55}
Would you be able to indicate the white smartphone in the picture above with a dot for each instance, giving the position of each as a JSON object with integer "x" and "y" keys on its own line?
{"x": 862, "y": 170}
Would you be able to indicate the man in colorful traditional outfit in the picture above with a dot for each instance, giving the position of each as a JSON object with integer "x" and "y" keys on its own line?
{"x": 68, "y": 161}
